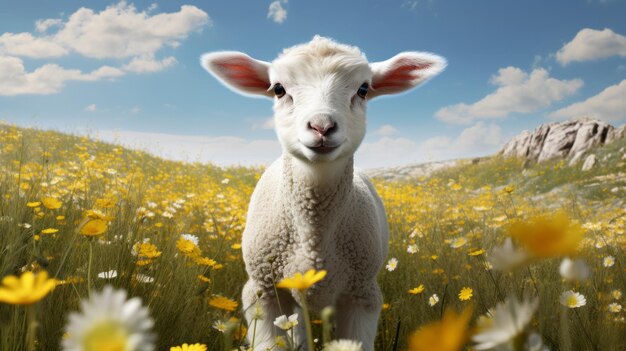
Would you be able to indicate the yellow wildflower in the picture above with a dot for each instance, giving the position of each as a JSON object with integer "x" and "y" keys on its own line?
{"x": 449, "y": 334}
{"x": 302, "y": 282}
{"x": 240, "y": 332}
{"x": 27, "y": 289}
{"x": 477, "y": 252}
{"x": 466, "y": 294}
{"x": 203, "y": 278}
{"x": 95, "y": 214}
{"x": 147, "y": 250}
{"x": 223, "y": 303}
{"x": 417, "y": 290}
{"x": 548, "y": 236}
{"x": 33, "y": 204}
{"x": 205, "y": 261}
{"x": 51, "y": 203}
{"x": 49, "y": 231}
{"x": 187, "y": 347}
{"x": 187, "y": 247}
{"x": 93, "y": 227}
{"x": 105, "y": 203}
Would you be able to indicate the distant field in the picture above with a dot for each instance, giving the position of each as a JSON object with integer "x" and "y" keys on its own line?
{"x": 443, "y": 228}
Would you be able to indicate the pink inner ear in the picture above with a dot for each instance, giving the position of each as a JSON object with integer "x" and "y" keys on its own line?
{"x": 402, "y": 74}
{"x": 241, "y": 73}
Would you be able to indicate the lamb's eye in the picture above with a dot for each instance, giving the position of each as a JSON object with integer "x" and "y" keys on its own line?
{"x": 279, "y": 91}
{"x": 362, "y": 92}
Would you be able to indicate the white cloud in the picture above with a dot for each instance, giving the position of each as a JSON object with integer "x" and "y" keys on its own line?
{"x": 121, "y": 31}
{"x": 148, "y": 64}
{"x": 118, "y": 31}
{"x": 47, "y": 79}
{"x": 386, "y": 130}
{"x": 477, "y": 140}
{"x": 518, "y": 92}
{"x": 608, "y": 105}
{"x": 106, "y": 72}
{"x": 91, "y": 108}
{"x": 135, "y": 110}
{"x": 388, "y": 151}
{"x": 277, "y": 12}
{"x": 43, "y": 25}
{"x": 590, "y": 44}
{"x": 411, "y": 4}
{"x": 25, "y": 44}
{"x": 266, "y": 123}
{"x": 222, "y": 150}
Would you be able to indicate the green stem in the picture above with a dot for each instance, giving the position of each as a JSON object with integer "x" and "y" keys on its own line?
{"x": 89, "y": 268}
{"x": 32, "y": 327}
{"x": 530, "y": 273}
{"x": 327, "y": 325}
{"x": 254, "y": 333}
{"x": 307, "y": 321}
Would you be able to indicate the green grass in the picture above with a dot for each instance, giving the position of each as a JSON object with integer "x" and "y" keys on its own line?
{"x": 155, "y": 199}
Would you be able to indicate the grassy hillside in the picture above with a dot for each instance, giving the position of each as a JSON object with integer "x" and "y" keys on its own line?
{"x": 442, "y": 230}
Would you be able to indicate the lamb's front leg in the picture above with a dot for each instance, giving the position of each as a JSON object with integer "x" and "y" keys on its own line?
{"x": 357, "y": 317}
{"x": 261, "y": 332}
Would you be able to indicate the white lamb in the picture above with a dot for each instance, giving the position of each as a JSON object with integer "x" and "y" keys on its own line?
{"x": 311, "y": 209}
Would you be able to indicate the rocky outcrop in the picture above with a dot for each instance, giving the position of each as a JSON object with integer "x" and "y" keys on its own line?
{"x": 415, "y": 170}
{"x": 590, "y": 161}
{"x": 568, "y": 139}
{"x": 616, "y": 133}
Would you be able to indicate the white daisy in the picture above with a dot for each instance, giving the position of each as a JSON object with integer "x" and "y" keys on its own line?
{"x": 615, "y": 307}
{"x": 286, "y": 323}
{"x": 256, "y": 311}
{"x": 220, "y": 326}
{"x": 392, "y": 264}
{"x": 608, "y": 261}
{"x": 507, "y": 321}
{"x": 142, "y": 278}
{"x": 573, "y": 270}
{"x": 432, "y": 301}
{"x": 506, "y": 257}
{"x": 412, "y": 248}
{"x": 343, "y": 345}
{"x": 109, "y": 321}
{"x": 458, "y": 242}
{"x": 190, "y": 237}
{"x": 572, "y": 299}
{"x": 108, "y": 275}
{"x": 616, "y": 294}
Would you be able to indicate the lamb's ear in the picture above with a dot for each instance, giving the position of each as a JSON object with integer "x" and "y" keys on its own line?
{"x": 239, "y": 72}
{"x": 404, "y": 71}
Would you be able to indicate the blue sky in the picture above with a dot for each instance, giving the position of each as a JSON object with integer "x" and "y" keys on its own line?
{"x": 129, "y": 71}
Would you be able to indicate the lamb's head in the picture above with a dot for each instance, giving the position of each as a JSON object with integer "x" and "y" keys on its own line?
{"x": 320, "y": 91}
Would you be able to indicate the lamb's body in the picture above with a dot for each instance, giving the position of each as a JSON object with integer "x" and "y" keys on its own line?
{"x": 295, "y": 225}
{"x": 310, "y": 208}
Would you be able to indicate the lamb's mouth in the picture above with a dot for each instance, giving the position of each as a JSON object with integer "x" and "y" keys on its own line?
{"x": 322, "y": 149}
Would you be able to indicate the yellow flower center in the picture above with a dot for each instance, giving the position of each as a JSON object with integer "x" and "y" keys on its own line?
{"x": 106, "y": 336}
{"x": 572, "y": 301}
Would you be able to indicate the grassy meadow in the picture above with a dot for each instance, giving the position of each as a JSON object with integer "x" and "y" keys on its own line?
{"x": 443, "y": 229}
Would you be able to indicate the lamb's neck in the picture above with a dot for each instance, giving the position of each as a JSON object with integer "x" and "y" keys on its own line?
{"x": 317, "y": 191}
